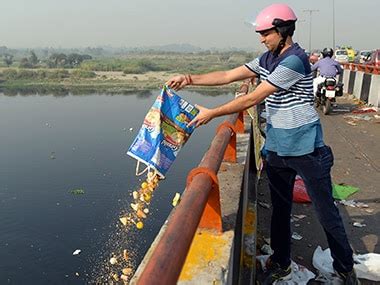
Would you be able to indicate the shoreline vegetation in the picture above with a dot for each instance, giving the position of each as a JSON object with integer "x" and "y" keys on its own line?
{"x": 113, "y": 75}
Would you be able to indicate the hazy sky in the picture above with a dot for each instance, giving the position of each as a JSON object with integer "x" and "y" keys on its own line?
{"x": 204, "y": 23}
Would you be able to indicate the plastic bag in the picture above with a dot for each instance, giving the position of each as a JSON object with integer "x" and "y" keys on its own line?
{"x": 163, "y": 133}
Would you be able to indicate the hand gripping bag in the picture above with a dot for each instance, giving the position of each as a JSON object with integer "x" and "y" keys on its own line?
{"x": 163, "y": 133}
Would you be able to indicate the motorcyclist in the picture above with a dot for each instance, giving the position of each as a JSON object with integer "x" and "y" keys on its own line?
{"x": 327, "y": 67}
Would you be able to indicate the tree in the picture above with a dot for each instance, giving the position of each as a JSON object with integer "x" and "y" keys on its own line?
{"x": 24, "y": 63}
{"x": 8, "y": 59}
{"x": 33, "y": 59}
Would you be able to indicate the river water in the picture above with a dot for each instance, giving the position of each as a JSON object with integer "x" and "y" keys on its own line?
{"x": 51, "y": 145}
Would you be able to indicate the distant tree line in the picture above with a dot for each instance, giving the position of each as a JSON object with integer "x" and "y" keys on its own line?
{"x": 55, "y": 60}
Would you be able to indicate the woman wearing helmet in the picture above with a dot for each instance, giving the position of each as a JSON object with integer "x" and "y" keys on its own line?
{"x": 327, "y": 67}
{"x": 294, "y": 140}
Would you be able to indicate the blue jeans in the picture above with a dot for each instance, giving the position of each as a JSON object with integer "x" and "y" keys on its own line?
{"x": 314, "y": 168}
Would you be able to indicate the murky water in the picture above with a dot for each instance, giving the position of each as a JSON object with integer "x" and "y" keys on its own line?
{"x": 51, "y": 145}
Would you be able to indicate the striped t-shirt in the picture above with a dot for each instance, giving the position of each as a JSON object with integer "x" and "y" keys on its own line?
{"x": 293, "y": 126}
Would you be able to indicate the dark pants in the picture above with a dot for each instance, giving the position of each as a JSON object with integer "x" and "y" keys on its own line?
{"x": 314, "y": 168}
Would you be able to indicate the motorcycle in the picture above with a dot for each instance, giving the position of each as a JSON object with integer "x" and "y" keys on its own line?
{"x": 327, "y": 91}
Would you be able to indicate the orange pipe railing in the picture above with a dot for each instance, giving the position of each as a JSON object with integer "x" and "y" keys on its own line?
{"x": 372, "y": 69}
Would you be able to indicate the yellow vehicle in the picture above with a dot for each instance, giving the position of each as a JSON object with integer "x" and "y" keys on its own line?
{"x": 350, "y": 52}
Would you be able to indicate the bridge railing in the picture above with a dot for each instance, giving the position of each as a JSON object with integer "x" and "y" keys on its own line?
{"x": 199, "y": 207}
{"x": 362, "y": 67}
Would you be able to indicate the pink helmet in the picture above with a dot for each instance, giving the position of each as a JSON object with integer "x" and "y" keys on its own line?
{"x": 267, "y": 18}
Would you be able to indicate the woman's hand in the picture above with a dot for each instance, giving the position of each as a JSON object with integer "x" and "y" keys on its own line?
{"x": 204, "y": 116}
{"x": 179, "y": 81}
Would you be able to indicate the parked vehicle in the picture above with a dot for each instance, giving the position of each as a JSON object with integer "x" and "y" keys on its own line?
{"x": 364, "y": 55}
{"x": 374, "y": 58}
{"x": 326, "y": 93}
{"x": 341, "y": 55}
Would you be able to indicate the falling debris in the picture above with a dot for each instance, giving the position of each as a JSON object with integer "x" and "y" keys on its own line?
{"x": 52, "y": 155}
{"x": 131, "y": 129}
{"x": 124, "y": 220}
{"x": 176, "y": 199}
{"x": 77, "y": 251}
{"x": 139, "y": 225}
{"x": 113, "y": 260}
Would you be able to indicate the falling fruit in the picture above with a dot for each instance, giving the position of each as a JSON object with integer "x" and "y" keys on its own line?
{"x": 139, "y": 225}
{"x": 176, "y": 199}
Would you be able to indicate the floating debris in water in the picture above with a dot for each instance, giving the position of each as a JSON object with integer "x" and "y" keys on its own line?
{"x": 77, "y": 191}
{"x": 77, "y": 251}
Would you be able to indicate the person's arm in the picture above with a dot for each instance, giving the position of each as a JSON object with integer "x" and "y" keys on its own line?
{"x": 338, "y": 68}
{"x": 210, "y": 79}
{"x": 239, "y": 104}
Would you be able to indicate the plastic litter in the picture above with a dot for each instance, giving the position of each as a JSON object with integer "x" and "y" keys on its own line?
{"x": 342, "y": 191}
{"x": 266, "y": 249}
{"x": 113, "y": 260}
{"x": 359, "y": 225}
{"x": 364, "y": 110}
{"x": 296, "y": 236}
{"x": 264, "y": 205}
{"x": 367, "y": 266}
{"x": 300, "y": 274}
{"x": 299, "y": 191}
{"x": 354, "y": 204}
{"x": 77, "y": 251}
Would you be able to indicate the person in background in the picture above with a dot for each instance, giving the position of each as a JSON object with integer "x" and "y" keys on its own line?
{"x": 294, "y": 140}
{"x": 327, "y": 67}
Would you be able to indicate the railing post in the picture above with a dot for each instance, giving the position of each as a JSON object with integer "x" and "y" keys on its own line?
{"x": 212, "y": 214}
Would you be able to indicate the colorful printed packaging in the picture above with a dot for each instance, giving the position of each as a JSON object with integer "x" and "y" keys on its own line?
{"x": 163, "y": 132}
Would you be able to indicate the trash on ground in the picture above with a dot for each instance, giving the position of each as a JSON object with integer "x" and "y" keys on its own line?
{"x": 299, "y": 191}
{"x": 367, "y": 266}
{"x": 77, "y": 191}
{"x": 124, "y": 220}
{"x": 359, "y": 225}
{"x": 355, "y": 118}
{"x": 351, "y": 123}
{"x": 176, "y": 199}
{"x": 376, "y": 116}
{"x": 124, "y": 277}
{"x": 266, "y": 249}
{"x": 342, "y": 191}
{"x": 125, "y": 255}
{"x": 77, "y": 251}
{"x": 300, "y": 274}
{"x": 264, "y": 205}
{"x": 364, "y": 110}
{"x": 354, "y": 204}
{"x": 296, "y": 236}
{"x": 298, "y": 217}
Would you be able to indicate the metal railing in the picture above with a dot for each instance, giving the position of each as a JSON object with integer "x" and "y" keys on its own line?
{"x": 362, "y": 67}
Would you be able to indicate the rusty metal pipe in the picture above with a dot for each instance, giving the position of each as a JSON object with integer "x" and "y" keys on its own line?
{"x": 166, "y": 262}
